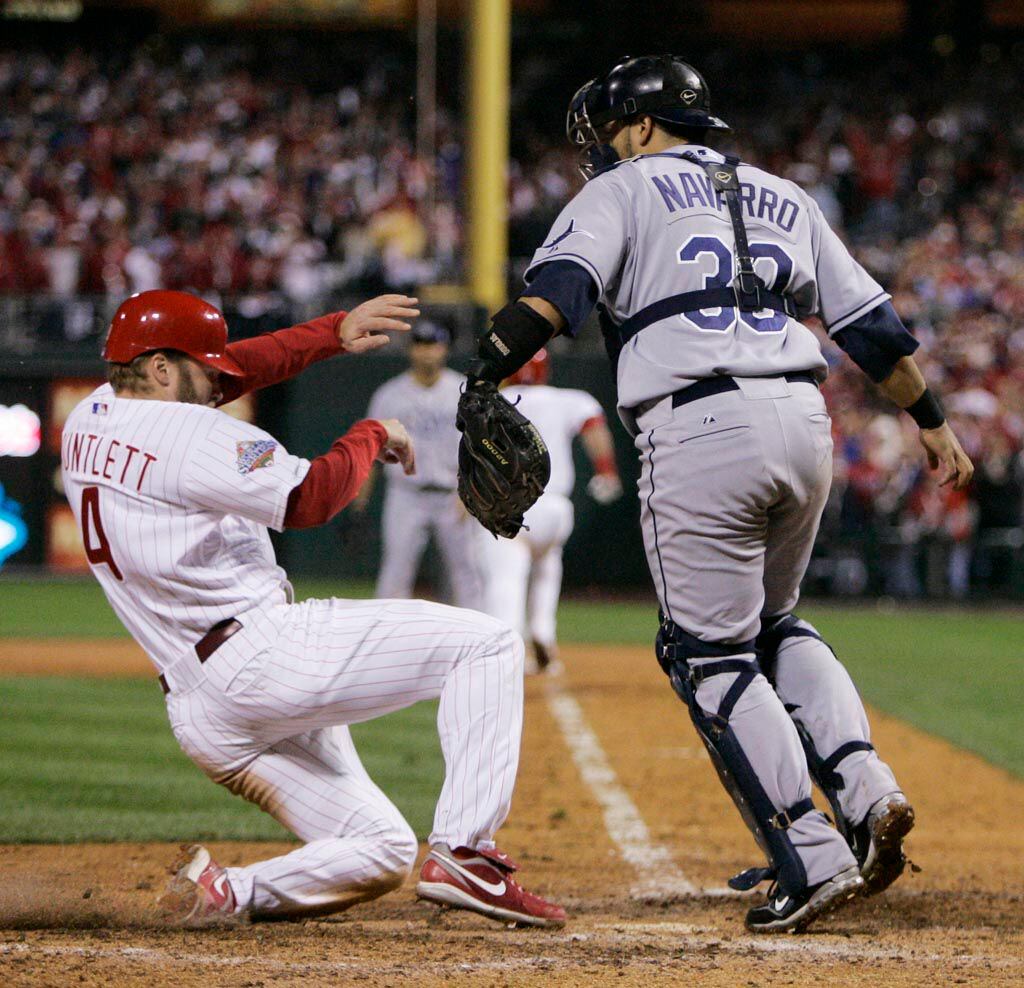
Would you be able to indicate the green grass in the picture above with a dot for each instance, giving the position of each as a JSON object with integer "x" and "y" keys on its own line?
{"x": 91, "y": 759}
{"x": 85, "y": 759}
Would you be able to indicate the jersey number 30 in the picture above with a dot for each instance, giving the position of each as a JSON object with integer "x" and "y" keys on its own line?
{"x": 721, "y": 320}
{"x": 97, "y": 545}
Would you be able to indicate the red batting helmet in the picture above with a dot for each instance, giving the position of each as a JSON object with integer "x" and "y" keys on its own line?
{"x": 161, "y": 320}
{"x": 534, "y": 371}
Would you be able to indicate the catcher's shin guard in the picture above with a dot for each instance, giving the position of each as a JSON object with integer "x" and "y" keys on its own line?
{"x": 823, "y": 769}
{"x": 767, "y": 822}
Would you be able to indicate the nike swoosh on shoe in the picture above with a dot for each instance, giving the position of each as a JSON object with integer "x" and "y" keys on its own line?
{"x": 493, "y": 888}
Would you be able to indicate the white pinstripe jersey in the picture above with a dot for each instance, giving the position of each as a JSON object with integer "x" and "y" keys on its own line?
{"x": 174, "y": 501}
{"x": 653, "y": 226}
{"x": 559, "y": 414}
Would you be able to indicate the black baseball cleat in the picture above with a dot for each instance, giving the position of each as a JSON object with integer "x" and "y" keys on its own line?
{"x": 877, "y": 842}
{"x": 783, "y": 913}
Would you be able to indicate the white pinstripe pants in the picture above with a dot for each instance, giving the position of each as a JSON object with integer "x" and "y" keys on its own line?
{"x": 524, "y": 574}
{"x": 265, "y": 717}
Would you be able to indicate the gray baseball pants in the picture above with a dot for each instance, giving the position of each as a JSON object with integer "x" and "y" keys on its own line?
{"x": 410, "y": 515}
{"x": 732, "y": 489}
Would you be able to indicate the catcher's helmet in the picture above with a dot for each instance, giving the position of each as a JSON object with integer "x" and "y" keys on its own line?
{"x": 534, "y": 371}
{"x": 162, "y": 320}
{"x": 663, "y": 86}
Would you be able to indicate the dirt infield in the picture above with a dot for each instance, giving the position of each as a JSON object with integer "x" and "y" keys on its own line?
{"x": 617, "y": 814}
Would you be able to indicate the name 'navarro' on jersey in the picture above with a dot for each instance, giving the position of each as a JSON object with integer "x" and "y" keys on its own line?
{"x": 689, "y": 190}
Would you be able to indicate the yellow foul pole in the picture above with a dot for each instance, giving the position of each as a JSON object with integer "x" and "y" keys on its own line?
{"x": 487, "y": 127}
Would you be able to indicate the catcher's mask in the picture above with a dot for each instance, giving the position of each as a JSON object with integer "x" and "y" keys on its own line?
{"x": 592, "y": 155}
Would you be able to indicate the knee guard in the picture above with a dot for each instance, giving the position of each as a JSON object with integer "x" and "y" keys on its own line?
{"x": 822, "y": 770}
{"x": 768, "y": 823}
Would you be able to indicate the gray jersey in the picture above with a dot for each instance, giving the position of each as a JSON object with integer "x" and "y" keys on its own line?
{"x": 429, "y": 416}
{"x": 653, "y": 227}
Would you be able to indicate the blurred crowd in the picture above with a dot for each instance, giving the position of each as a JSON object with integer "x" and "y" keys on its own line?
{"x": 118, "y": 174}
{"x": 122, "y": 172}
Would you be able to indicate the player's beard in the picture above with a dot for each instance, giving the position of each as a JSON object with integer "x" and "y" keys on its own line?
{"x": 187, "y": 389}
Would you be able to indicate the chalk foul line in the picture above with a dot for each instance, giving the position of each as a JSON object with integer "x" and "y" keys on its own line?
{"x": 657, "y": 875}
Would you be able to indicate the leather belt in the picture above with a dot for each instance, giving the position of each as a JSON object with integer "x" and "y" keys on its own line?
{"x": 209, "y": 643}
{"x": 709, "y": 386}
{"x": 435, "y": 489}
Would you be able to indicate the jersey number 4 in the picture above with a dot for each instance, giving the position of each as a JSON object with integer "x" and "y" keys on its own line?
{"x": 700, "y": 250}
{"x": 97, "y": 545}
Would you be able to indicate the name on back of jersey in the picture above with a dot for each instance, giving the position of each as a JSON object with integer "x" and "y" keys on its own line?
{"x": 695, "y": 191}
{"x": 91, "y": 455}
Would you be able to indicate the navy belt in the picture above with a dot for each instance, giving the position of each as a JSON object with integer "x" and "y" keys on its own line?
{"x": 708, "y": 386}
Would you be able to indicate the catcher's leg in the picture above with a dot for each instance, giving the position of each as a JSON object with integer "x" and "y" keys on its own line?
{"x": 869, "y": 807}
{"x": 820, "y": 696}
{"x": 755, "y": 748}
{"x": 705, "y": 489}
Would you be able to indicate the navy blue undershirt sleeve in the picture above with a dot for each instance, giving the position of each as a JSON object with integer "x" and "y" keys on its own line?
{"x": 877, "y": 341}
{"x": 568, "y": 287}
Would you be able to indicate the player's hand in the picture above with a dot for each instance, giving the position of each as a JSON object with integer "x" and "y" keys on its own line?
{"x": 398, "y": 447}
{"x": 604, "y": 488}
{"x": 946, "y": 455}
{"x": 364, "y": 328}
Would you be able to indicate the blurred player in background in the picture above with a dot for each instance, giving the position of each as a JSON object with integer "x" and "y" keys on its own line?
{"x": 424, "y": 398}
{"x": 524, "y": 574}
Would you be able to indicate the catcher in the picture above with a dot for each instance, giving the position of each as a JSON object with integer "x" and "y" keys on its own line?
{"x": 701, "y": 300}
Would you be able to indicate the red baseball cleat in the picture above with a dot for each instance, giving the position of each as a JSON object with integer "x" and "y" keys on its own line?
{"x": 481, "y": 881}
{"x": 199, "y": 893}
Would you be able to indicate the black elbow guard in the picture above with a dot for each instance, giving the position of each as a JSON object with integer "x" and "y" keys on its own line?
{"x": 516, "y": 333}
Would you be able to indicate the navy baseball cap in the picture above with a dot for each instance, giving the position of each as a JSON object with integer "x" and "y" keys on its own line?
{"x": 426, "y": 331}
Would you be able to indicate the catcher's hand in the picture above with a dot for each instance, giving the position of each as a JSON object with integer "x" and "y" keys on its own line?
{"x": 503, "y": 462}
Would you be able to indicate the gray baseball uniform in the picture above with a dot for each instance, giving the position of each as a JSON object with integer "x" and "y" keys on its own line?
{"x": 735, "y": 470}
{"x": 426, "y": 502}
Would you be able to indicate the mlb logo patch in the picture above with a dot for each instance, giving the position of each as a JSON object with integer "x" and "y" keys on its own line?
{"x": 255, "y": 453}
{"x": 99, "y": 408}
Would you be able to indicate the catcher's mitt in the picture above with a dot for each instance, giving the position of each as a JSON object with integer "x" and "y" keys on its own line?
{"x": 503, "y": 462}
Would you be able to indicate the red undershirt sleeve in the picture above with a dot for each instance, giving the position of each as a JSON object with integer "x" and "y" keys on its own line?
{"x": 334, "y": 479}
{"x": 603, "y": 464}
{"x": 275, "y": 357}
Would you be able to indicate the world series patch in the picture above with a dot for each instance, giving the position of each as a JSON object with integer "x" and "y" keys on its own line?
{"x": 255, "y": 453}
